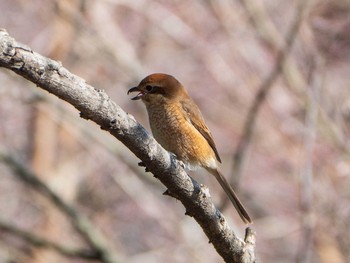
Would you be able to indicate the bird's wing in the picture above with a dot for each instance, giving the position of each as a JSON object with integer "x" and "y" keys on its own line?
{"x": 195, "y": 117}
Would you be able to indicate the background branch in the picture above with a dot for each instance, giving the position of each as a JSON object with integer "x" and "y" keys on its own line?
{"x": 266, "y": 85}
{"x": 37, "y": 241}
{"x": 80, "y": 223}
{"x": 275, "y": 40}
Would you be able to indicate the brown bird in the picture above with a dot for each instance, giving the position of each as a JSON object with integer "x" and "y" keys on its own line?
{"x": 177, "y": 124}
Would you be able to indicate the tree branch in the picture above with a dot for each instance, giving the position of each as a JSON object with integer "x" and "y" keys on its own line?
{"x": 95, "y": 105}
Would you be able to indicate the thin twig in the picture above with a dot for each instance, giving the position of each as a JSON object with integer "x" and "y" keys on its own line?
{"x": 306, "y": 176}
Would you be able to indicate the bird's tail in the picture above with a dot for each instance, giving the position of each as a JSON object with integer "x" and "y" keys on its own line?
{"x": 231, "y": 195}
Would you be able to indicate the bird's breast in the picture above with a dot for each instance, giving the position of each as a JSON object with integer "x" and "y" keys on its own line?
{"x": 175, "y": 133}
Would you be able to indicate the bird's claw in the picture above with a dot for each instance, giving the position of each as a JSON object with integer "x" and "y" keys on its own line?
{"x": 142, "y": 164}
{"x": 182, "y": 164}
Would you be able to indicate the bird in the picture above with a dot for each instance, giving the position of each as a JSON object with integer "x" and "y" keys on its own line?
{"x": 179, "y": 127}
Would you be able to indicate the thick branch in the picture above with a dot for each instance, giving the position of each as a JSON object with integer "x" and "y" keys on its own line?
{"x": 95, "y": 105}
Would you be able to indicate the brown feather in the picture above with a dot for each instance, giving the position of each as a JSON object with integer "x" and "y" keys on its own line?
{"x": 232, "y": 195}
{"x": 195, "y": 117}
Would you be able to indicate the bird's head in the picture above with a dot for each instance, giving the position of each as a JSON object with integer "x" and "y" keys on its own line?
{"x": 159, "y": 87}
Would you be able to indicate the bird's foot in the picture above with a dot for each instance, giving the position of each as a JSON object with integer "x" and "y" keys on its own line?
{"x": 182, "y": 164}
{"x": 142, "y": 164}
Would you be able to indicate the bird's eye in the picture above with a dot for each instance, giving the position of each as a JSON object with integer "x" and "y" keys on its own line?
{"x": 149, "y": 88}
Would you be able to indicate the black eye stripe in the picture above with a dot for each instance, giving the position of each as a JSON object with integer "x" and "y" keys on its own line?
{"x": 153, "y": 89}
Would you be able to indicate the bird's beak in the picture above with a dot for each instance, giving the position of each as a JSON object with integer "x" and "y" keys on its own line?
{"x": 138, "y": 96}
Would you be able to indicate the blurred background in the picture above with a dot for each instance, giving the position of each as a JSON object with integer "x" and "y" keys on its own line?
{"x": 294, "y": 176}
